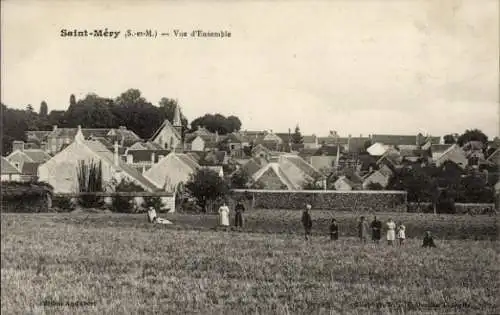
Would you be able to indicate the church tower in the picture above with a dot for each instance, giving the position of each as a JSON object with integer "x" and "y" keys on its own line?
{"x": 177, "y": 124}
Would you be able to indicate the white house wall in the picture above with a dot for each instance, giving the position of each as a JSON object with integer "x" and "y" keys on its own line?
{"x": 198, "y": 144}
{"x": 61, "y": 170}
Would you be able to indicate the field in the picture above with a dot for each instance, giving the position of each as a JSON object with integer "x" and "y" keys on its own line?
{"x": 120, "y": 264}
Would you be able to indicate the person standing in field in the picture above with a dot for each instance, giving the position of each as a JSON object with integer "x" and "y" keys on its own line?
{"x": 428, "y": 240}
{"x": 376, "y": 226}
{"x": 401, "y": 233}
{"x": 307, "y": 221}
{"x": 334, "y": 230}
{"x": 224, "y": 215}
{"x": 363, "y": 229}
{"x": 391, "y": 233}
{"x": 238, "y": 210}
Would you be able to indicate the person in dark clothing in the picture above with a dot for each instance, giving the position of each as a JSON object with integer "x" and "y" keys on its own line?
{"x": 307, "y": 221}
{"x": 428, "y": 240}
{"x": 363, "y": 229}
{"x": 238, "y": 217}
{"x": 376, "y": 226}
{"x": 334, "y": 230}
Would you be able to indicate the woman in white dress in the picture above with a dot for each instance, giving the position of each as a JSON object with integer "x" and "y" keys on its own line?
{"x": 224, "y": 215}
{"x": 391, "y": 232}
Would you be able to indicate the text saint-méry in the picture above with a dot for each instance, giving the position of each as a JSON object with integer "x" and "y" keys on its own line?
{"x": 86, "y": 33}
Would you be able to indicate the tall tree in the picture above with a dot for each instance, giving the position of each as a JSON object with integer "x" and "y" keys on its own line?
{"x": 297, "y": 136}
{"x": 131, "y": 109}
{"x": 168, "y": 105}
{"x": 44, "y": 109}
{"x": 217, "y": 122}
{"x": 29, "y": 108}
{"x": 207, "y": 186}
{"x": 472, "y": 135}
{"x": 72, "y": 100}
{"x": 449, "y": 139}
{"x": 91, "y": 112}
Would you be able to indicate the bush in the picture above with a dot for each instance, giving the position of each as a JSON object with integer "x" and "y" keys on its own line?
{"x": 63, "y": 203}
{"x": 153, "y": 201}
{"x": 125, "y": 203}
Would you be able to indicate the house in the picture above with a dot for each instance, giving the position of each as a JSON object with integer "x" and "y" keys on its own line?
{"x": 326, "y": 156}
{"x": 203, "y": 142}
{"x": 233, "y": 144}
{"x": 172, "y": 170}
{"x": 59, "y": 138}
{"x": 345, "y": 184}
{"x": 260, "y": 151}
{"x": 217, "y": 169}
{"x": 494, "y": 157}
{"x": 169, "y": 135}
{"x": 310, "y": 141}
{"x": 378, "y": 149}
{"x": 214, "y": 158}
{"x": 143, "y": 160}
{"x": 61, "y": 170}
{"x": 287, "y": 172}
{"x": 454, "y": 154}
{"x": 145, "y": 145}
{"x": 381, "y": 176}
{"x": 20, "y": 154}
{"x": 396, "y": 140}
{"x": 9, "y": 171}
{"x": 29, "y": 171}
{"x": 438, "y": 149}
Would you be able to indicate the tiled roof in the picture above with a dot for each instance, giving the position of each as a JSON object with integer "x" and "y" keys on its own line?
{"x": 187, "y": 160}
{"x": 309, "y": 139}
{"x": 37, "y": 135}
{"x": 394, "y": 139}
{"x": 145, "y": 155}
{"x": 302, "y": 165}
{"x": 37, "y": 155}
{"x": 8, "y": 168}
{"x": 251, "y": 167}
{"x": 329, "y": 150}
{"x": 100, "y": 150}
{"x": 275, "y": 167}
{"x": 437, "y": 148}
{"x": 494, "y": 157}
{"x": 30, "y": 168}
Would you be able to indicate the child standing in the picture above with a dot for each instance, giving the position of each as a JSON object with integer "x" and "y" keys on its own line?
{"x": 334, "y": 230}
{"x": 401, "y": 233}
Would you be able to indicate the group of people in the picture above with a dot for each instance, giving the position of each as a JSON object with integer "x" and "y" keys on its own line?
{"x": 393, "y": 231}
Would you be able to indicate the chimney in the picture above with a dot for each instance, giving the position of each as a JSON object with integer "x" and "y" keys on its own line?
{"x": 54, "y": 128}
{"x": 44, "y": 146}
{"x": 130, "y": 159}
{"x": 216, "y": 136}
{"x": 115, "y": 156}
{"x": 122, "y": 128}
{"x": 198, "y": 127}
{"x": 152, "y": 158}
{"x": 17, "y": 145}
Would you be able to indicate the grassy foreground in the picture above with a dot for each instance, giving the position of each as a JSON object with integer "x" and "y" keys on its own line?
{"x": 122, "y": 265}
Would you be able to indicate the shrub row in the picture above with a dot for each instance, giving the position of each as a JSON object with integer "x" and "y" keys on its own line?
{"x": 326, "y": 200}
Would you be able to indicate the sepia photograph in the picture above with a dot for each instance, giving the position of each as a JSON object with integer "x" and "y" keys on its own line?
{"x": 250, "y": 157}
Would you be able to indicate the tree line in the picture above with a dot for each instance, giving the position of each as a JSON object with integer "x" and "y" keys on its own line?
{"x": 130, "y": 109}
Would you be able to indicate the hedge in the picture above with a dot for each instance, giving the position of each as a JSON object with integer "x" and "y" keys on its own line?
{"x": 26, "y": 197}
{"x": 326, "y": 199}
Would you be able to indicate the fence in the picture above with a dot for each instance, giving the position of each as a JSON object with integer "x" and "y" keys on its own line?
{"x": 325, "y": 199}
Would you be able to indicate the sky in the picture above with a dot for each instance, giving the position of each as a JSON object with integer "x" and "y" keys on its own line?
{"x": 358, "y": 67}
